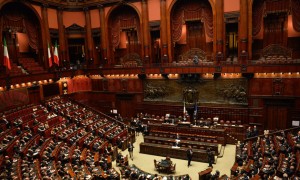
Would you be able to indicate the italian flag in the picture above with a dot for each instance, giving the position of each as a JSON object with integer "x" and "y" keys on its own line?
{"x": 184, "y": 109}
{"x": 49, "y": 56}
{"x": 6, "y": 56}
{"x": 56, "y": 58}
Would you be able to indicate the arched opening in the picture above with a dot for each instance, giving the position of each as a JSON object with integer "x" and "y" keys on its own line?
{"x": 22, "y": 31}
{"x": 124, "y": 36}
{"x": 191, "y": 28}
{"x": 269, "y": 28}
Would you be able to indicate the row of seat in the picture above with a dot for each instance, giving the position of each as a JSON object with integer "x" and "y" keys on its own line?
{"x": 34, "y": 145}
{"x": 31, "y": 66}
{"x": 272, "y": 156}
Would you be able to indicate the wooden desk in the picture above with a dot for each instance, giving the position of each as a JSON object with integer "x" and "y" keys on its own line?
{"x": 151, "y": 120}
{"x": 202, "y": 174}
{"x": 167, "y": 150}
{"x": 164, "y": 166}
{"x": 182, "y": 143}
{"x": 220, "y": 134}
{"x": 237, "y": 131}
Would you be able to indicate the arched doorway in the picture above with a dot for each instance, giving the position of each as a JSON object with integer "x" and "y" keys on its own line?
{"x": 124, "y": 35}
{"x": 22, "y": 31}
{"x": 269, "y": 20}
{"x": 191, "y": 27}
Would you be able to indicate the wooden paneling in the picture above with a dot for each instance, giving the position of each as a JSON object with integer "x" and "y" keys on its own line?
{"x": 125, "y": 105}
{"x": 264, "y": 86}
{"x": 277, "y": 118}
{"x": 224, "y": 113}
{"x": 294, "y": 43}
{"x": 278, "y": 113}
{"x": 97, "y": 85}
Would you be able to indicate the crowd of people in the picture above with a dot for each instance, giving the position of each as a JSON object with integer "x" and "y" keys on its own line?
{"x": 268, "y": 156}
{"x": 26, "y": 153}
{"x": 133, "y": 172}
{"x": 33, "y": 155}
{"x": 252, "y": 132}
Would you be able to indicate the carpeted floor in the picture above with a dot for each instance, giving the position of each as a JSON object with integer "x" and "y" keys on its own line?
{"x": 145, "y": 162}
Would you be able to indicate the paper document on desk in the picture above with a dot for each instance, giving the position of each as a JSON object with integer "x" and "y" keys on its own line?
{"x": 175, "y": 147}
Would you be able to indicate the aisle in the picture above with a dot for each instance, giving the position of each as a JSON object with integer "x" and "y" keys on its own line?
{"x": 146, "y": 162}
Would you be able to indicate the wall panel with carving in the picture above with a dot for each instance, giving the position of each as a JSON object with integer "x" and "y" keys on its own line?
{"x": 274, "y": 86}
{"x": 215, "y": 91}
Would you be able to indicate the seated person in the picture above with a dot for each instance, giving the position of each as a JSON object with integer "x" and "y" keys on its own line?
{"x": 168, "y": 159}
{"x": 166, "y": 162}
{"x": 177, "y": 136}
{"x": 177, "y": 143}
{"x": 120, "y": 159}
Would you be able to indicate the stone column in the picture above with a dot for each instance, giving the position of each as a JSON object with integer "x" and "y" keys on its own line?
{"x": 220, "y": 29}
{"x": 89, "y": 37}
{"x": 146, "y": 32}
{"x": 61, "y": 35}
{"x": 46, "y": 35}
{"x": 163, "y": 29}
{"x": 243, "y": 30}
{"x": 103, "y": 34}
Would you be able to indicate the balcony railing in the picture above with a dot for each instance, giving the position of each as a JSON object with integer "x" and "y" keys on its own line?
{"x": 165, "y": 68}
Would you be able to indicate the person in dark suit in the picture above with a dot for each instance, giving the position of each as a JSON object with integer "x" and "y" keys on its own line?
{"x": 255, "y": 131}
{"x": 130, "y": 150}
{"x": 189, "y": 154}
{"x": 210, "y": 156}
{"x": 249, "y": 132}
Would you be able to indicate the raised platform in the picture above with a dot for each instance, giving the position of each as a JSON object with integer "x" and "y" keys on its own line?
{"x": 167, "y": 150}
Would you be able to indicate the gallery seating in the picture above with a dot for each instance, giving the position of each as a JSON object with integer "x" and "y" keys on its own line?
{"x": 31, "y": 66}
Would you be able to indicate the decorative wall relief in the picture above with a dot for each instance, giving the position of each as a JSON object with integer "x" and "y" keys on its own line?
{"x": 278, "y": 86}
{"x": 190, "y": 95}
{"x": 154, "y": 91}
{"x": 233, "y": 93}
{"x": 218, "y": 91}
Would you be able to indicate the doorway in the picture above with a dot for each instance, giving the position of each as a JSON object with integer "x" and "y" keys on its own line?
{"x": 278, "y": 113}
{"x": 76, "y": 51}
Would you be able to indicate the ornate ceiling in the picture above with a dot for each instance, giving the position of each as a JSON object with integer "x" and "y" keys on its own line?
{"x": 75, "y": 4}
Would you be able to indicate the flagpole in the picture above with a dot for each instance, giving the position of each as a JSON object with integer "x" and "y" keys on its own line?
{"x": 184, "y": 111}
{"x": 49, "y": 56}
{"x": 195, "y": 113}
{"x": 6, "y": 59}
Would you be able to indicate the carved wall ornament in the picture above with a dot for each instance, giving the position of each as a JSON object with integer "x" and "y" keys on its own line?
{"x": 153, "y": 91}
{"x": 190, "y": 95}
{"x": 234, "y": 93}
{"x": 220, "y": 91}
{"x": 278, "y": 86}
